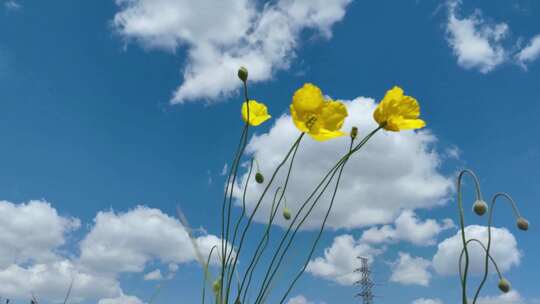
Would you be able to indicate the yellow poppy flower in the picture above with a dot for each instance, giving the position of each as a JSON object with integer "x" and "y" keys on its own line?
{"x": 398, "y": 112}
{"x": 258, "y": 113}
{"x": 311, "y": 113}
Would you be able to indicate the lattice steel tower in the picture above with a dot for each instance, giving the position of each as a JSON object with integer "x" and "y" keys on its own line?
{"x": 365, "y": 282}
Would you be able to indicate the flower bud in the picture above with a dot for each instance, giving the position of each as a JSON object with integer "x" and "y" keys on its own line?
{"x": 504, "y": 285}
{"x": 523, "y": 224}
{"x": 259, "y": 178}
{"x": 216, "y": 286}
{"x": 354, "y": 132}
{"x": 480, "y": 207}
{"x": 243, "y": 74}
{"x": 286, "y": 213}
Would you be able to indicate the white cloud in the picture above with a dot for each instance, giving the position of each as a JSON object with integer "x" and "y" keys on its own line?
{"x": 126, "y": 242}
{"x": 153, "y": 275}
{"x": 427, "y": 301}
{"x": 394, "y": 171}
{"x": 511, "y": 297}
{"x": 503, "y": 249}
{"x": 12, "y": 5}
{"x": 31, "y": 259}
{"x": 341, "y": 259}
{"x": 51, "y": 281}
{"x": 299, "y": 300}
{"x": 476, "y": 43}
{"x": 224, "y": 35}
{"x": 31, "y": 232}
{"x": 410, "y": 270}
{"x": 407, "y": 228}
{"x": 123, "y": 299}
{"x": 530, "y": 53}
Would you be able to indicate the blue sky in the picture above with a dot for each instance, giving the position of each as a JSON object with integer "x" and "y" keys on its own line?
{"x": 108, "y": 106}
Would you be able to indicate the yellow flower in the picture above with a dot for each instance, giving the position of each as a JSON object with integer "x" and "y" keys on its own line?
{"x": 398, "y": 112}
{"x": 311, "y": 113}
{"x": 258, "y": 113}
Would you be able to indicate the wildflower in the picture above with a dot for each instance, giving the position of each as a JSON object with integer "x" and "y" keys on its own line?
{"x": 311, "y": 113}
{"x": 258, "y": 113}
{"x": 480, "y": 207}
{"x": 523, "y": 224}
{"x": 398, "y": 112}
{"x": 354, "y": 132}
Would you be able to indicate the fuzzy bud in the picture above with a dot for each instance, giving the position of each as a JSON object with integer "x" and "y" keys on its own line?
{"x": 354, "y": 132}
{"x": 286, "y": 213}
{"x": 259, "y": 178}
{"x": 504, "y": 285}
{"x": 480, "y": 207}
{"x": 523, "y": 224}
{"x": 243, "y": 74}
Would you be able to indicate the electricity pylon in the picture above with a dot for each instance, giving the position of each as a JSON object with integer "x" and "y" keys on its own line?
{"x": 365, "y": 282}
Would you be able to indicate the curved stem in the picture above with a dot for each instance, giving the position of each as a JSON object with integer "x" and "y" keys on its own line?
{"x": 462, "y": 225}
{"x": 257, "y": 205}
{"x": 205, "y": 278}
{"x": 490, "y": 223}
{"x": 485, "y": 250}
{"x": 265, "y": 237}
{"x": 320, "y": 230}
{"x": 269, "y": 273}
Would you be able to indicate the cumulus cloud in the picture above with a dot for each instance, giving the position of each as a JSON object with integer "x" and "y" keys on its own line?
{"x": 407, "y": 228}
{"x": 476, "y": 43}
{"x": 530, "y": 53}
{"x": 126, "y": 242}
{"x": 410, "y": 270}
{"x": 512, "y": 297}
{"x": 154, "y": 275}
{"x": 123, "y": 299}
{"x": 341, "y": 259}
{"x": 427, "y": 301}
{"x": 299, "y": 300}
{"x": 32, "y": 232}
{"x": 405, "y": 162}
{"x": 31, "y": 260}
{"x": 220, "y": 36}
{"x": 503, "y": 249}
{"x": 51, "y": 281}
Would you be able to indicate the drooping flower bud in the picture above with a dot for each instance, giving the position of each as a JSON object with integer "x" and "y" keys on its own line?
{"x": 354, "y": 132}
{"x": 504, "y": 285}
{"x": 259, "y": 178}
{"x": 286, "y": 213}
{"x": 523, "y": 224}
{"x": 243, "y": 74}
{"x": 480, "y": 207}
{"x": 216, "y": 286}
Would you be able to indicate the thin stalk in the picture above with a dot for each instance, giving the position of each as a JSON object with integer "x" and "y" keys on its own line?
{"x": 462, "y": 225}
{"x": 488, "y": 255}
{"x": 234, "y": 170}
{"x": 250, "y": 220}
{"x": 253, "y": 265}
{"x": 330, "y": 173}
{"x": 320, "y": 230}
{"x": 206, "y": 274}
{"x": 260, "y": 247}
{"x": 490, "y": 223}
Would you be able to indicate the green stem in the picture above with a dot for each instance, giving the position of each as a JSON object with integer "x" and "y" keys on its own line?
{"x": 206, "y": 274}
{"x": 250, "y": 220}
{"x": 320, "y": 230}
{"x": 490, "y": 223}
{"x": 487, "y": 254}
{"x": 462, "y": 225}
{"x": 330, "y": 173}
